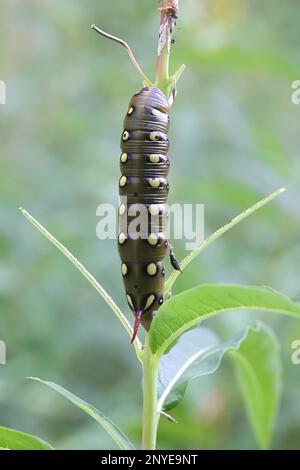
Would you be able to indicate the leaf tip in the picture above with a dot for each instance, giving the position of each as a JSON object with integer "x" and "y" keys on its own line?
{"x": 34, "y": 378}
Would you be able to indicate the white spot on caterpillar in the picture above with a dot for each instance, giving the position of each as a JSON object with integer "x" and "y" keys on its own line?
{"x": 129, "y": 300}
{"x": 154, "y": 158}
{"x": 153, "y": 239}
{"x": 123, "y": 181}
{"x": 122, "y": 209}
{"x": 125, "y": 135}
{"x": 154, "y": 136}
{"x": 153, "y": 210}
{"x": 124, "y": 157}
{"x": 124, "y": 269}
{"x": 151, "y": 269}
{"x": 149, "y": 301}
{"x": 122, "y": 238}
{"x": 154, "y": 182}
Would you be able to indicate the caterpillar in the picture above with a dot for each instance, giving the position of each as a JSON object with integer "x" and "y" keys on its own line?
{"x": 144, "y": 165}
{"x": 143, "y": 184}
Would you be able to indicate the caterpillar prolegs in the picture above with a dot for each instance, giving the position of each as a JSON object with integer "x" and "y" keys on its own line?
{"x": 143, "y": 185}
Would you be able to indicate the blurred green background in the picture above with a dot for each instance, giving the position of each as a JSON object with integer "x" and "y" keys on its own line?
{"x": 234, "y": 139}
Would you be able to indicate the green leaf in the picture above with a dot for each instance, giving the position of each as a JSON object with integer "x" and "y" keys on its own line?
{"x": 188, "y": 359}
{"x": 185, "y": 311}
{"x": 255, "y": 355}
{"x": 258, "y": 372}
{"x": 114, "y": 431}
{"x": 10, "y": 439}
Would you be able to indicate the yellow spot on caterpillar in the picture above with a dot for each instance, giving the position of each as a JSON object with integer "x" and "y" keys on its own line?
{"x": 130, "y": 111}
{"x": 149, "y": 301}
{"x": 125, "y": 135}
{"x": 154, "y": 158}
{"x": 154, "y": 136}
{"x": 151, "y": 269}
{"x": 124, "y": 157}
{"x": 153, "y": 239}
{"x": 123, "y": 181}
{"x": 155, "y": 112}
{"x": 129, "y": 300}
{"x": 153, "y": 210}
{"x": 154, "y": 182}
{"x": 124, "y": 269}
{"x": 122, "y": 238}
{"x": 122, "y": 209}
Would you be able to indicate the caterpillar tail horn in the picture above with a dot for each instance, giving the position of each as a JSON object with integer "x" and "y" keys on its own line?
{"x": 138, "y": 316}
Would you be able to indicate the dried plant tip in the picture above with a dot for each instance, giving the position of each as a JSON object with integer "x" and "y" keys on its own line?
{"x": 128, "y": 49}
{"x": 171, "y": 10}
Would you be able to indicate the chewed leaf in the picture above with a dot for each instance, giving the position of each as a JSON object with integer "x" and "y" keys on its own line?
{"x": 256, "y": 359}
{"x": 10, "y": 439}
{"x": 112, "y": 429}
{"x": 186, "y": 310}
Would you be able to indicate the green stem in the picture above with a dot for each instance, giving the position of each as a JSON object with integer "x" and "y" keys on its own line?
{"x": 150, "y": 416}
{"x": 162, "y": 79}
{"x": 150, "y": 361}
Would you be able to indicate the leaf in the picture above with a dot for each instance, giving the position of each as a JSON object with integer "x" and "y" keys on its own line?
{"x": 10, "y": 439}
{"x": 236, "y": 220}
{"x": 255, "y": 355}
{"x": 110, "y": 302}
{"x": 184, "y": 362}
{"x": 114, "y": 431}
{"x": 258, "y": 372}
{"x": 185, "y": 311}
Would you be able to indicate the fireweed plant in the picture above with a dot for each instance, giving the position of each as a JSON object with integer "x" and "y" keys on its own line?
{"x": 175, "y": 348}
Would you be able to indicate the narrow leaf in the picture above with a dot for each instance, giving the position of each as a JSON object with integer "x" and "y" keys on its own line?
{"x": 185, "y": 311}
{"x": 115, "y": 433}
{"x": 119, "y": 314}
{"x": 10, "y": 439}
{"x": 191, "y": 256}
{"x": 258, "y": 372}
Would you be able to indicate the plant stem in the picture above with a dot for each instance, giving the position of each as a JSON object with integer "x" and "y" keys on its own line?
{"x": 150, "y": 416}
{"x": 168, "y": 16}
